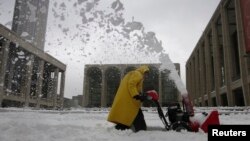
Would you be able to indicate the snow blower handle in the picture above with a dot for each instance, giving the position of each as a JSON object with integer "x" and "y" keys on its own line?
{"x": 154, "y": 96}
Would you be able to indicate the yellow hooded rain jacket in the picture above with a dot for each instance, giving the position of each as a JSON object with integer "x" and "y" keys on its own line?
{"x": 125, "y": 108}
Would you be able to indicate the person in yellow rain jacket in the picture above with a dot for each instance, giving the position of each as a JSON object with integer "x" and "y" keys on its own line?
{"x": 126, "y": 108}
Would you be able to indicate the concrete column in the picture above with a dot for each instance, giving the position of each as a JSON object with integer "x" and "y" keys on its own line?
{"x": 227, "y": 57}
{"x": 208, "y": 68}
{"x": 104, "y": 90}
{"x": 192, "y": 79}
{"x": 187, "y": 78}
{"x": 55, "y": 86}
{"x": 243, "y": 60}
{"x": 216, "y": 60}
{"x": 197, "y": 76}
{"x": 202, "y": 74}
{"x": 4, "y": 59}
{"x": 189, "y": 81}
{"x": 62, "y": 90}
{"x": 27, "y": 81}
{"x": 192, "y": 92}
{"x": 11, "y": 73}
{"x": 86, "y": 88}
{"x": 160, "y": 88}
{"x": 39, "y": 82}
{"x": 122, "y": 73}
{"x": 50, "y": 89}
{"x": 187, "y": 75}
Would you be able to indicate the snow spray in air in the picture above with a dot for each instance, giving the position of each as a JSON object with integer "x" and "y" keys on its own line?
{"x": 100, "y": 35}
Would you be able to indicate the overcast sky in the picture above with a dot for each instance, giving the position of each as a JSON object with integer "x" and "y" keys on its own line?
{"x": 177, "y": 23}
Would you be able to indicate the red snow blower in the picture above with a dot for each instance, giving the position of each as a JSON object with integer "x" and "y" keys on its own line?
{"x": 183, "y": 118}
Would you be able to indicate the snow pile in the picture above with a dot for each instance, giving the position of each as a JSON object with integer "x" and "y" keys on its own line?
{"x": 90, "y": 125}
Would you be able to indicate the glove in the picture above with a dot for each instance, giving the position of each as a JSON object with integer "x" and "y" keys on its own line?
{"x": 139, "y": 97}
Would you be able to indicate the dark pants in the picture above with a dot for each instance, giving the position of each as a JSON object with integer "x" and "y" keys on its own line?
{"x": 139, "y": 122}
{"x": 137, "y": 125}
{"x": 120, "y": 126}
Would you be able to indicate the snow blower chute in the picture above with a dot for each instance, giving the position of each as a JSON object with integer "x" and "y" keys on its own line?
{"x": 183, "y": 118}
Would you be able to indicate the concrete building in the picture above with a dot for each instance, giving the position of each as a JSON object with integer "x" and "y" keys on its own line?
{"x": 30, "y": 20}
{"x": 75, "y": 102}
{"x": 102, "y": 81}
{"x": 28, "y": 75}
{"x": 67, "y": 103}
{"x": 78, "y": 100}
{"x": 217, "y": 71}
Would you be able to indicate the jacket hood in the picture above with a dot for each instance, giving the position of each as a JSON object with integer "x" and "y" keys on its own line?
{"x": 143, "y": 69}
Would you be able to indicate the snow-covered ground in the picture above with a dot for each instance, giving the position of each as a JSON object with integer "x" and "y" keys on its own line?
{"x": 91, "y": 125}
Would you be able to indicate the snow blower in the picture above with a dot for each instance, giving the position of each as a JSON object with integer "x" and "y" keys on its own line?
{"x": 183, "y": 118}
